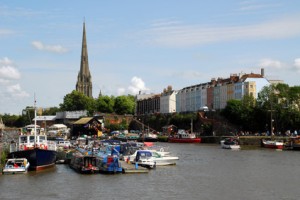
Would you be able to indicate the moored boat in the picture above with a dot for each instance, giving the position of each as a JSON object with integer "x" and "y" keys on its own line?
{"x": 151, "y": 158}
{"x": 40, "y": 154}
{"x": 273, "y": 144}
{"x": 84, "y": 164}
{"x": 15, "y": 166}
{"x": 293, "y": 143}
{"x": 144, "y": 158}
{"x": 230, "y": 143}
{"x": 184, "y": 137}
{"x": 108, "y": 163}
{"x": 34, "y": 146}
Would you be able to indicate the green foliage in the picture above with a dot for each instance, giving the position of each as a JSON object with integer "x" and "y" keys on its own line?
{"x": 124, "y": 105}
{"x": 78, "y": 101}
{"x": 51, "y": 111}
{"x": 183, "y": 121}
{"x": 105, "y": 104}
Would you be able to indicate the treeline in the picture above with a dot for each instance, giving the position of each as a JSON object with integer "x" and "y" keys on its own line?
{"x": 278, "y": 105}
{"x": 77, "y": 101}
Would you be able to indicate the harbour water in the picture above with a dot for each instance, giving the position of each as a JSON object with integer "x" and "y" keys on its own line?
{"x": 204, "y": 172}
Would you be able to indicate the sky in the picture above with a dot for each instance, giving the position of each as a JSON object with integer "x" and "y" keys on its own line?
{"x": 140, "y": 45}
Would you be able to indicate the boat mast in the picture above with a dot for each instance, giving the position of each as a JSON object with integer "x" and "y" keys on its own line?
{"x": 34, "y": 121}
{"x": 191, "y": 125}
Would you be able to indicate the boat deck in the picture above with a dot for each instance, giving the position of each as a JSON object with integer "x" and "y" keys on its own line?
{"x": 130, "y": 168}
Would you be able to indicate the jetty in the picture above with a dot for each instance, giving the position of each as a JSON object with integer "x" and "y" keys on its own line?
{"x": 129, "y": 168}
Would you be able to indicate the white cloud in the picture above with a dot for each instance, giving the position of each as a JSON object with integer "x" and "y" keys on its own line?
{"x": 253, "y": 5}
{"x": 177, "y": 34}
{"x": 9, "y": 74}
{"x": 16, "y": 91}
{"x": 269, "y": 63}
{"x": 297, "y": 64}
{"x": 137, "y": 84}
{"x": 121, "y": 91}
{"x": 51, "y": 48}
{"x": 5, "y": 61}
{"x": 7, "y": 70}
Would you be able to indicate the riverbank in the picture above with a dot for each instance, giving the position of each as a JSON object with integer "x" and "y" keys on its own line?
{"x": 244, "y": 140}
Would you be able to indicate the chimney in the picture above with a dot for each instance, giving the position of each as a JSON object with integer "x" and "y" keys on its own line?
{"x": 262, "y": 72}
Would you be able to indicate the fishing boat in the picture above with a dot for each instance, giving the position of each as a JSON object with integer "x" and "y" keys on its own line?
{"x": 230, "y": 143}
{"x": 273, "y": 144}
{"x": 15, "y": 166}
{"x": 184, "y": 137}
{"x": 34, "y": 146}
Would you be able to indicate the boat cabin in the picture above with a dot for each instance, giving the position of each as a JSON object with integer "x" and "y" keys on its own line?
{"x": 143, "y": 155}
{"x": 183, "y": 134}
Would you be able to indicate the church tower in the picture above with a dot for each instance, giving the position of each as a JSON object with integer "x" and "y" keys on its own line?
{"x": 84, "y": 79}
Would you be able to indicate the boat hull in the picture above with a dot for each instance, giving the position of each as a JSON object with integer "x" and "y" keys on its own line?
{"x": 39, "y": 159}
{"x": 272, "y": 144}
{"x": 184, "y": 140}
{"x": 233, "y": 147}
{"x": 164, "y": 161}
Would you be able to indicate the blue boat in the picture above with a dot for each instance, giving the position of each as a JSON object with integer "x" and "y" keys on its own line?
{"x": 108, "y": 163}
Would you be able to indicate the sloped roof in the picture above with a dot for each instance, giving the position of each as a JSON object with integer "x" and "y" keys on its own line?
{"x": 83, "y": 120}
{"x": 86, "y": 120}
{"x": 245, "y": 76}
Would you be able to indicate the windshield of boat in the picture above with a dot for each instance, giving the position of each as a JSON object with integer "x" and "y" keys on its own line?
{"x": 23, "y": 139}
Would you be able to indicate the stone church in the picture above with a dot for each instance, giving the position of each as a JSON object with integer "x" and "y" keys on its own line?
{"x": 84, "y": 79}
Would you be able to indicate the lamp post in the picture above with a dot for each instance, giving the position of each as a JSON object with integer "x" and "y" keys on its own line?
{"x": 271, "y": 97}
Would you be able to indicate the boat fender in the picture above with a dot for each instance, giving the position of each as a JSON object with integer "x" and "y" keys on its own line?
{"x": 42, "y": 146}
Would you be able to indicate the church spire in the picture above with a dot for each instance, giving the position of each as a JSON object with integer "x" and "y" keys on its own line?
{"x": 84, "y": 79}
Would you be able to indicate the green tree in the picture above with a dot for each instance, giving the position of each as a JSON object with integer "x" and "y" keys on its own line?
{"x": 124, "y": 105}
{"x": 105, "y": 104}
{"x": 78, "y": 101}
{"x": 51, "y": 111}
{"x": 10, "y": 120}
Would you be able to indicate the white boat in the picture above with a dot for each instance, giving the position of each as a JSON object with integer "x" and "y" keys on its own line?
{"x": 164, "y": 160}
{"x": 16, "y": 165}
{"x": 153, "y": 157}
{"x": 230, "y": 143}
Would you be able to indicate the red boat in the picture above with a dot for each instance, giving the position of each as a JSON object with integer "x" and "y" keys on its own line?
{"x": 183, "y": 137}
{"x": 273, "y": 144}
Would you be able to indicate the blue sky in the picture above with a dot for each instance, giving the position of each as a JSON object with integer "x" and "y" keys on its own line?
{"x": 141, "y": 45}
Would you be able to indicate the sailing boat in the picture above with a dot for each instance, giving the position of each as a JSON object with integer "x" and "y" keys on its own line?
{"x": 33, "y": 146}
